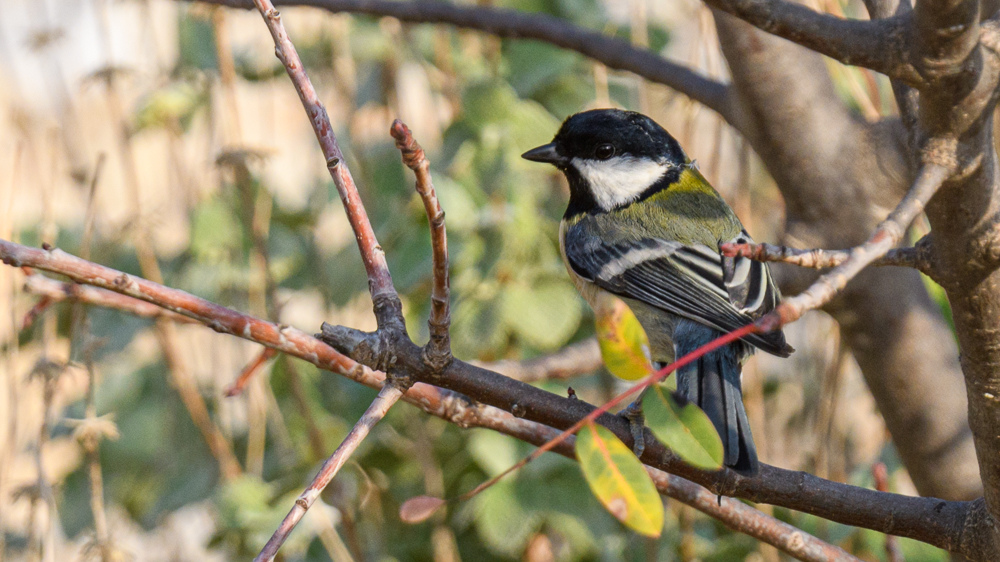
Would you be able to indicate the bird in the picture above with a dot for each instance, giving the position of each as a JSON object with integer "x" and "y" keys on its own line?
{"x": 643, "y": 224}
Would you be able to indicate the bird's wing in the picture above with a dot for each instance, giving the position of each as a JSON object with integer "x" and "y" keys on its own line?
{"x": 748, "y": 282}
{"x": 693, "y": 281}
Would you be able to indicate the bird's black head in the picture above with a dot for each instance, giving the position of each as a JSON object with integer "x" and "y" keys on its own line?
{"x": 611, "y": 158}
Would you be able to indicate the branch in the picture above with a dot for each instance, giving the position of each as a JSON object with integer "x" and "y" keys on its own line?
{"x": 438, "y": 349}
{"x": 571, "y": 361}
{"x": 946, "y": 32}
{"x": 960, "y": 84}
{"x": 742, "y": 518}
{"x": 916, "y": 257}
{"x": 934, "y": 521}
{"x": 880, "y": 45}
{"x": 239, "y": 385}
{"x": 612, "y": 52}
{"x": 58, "y": 291}
{"x": 379, "y": 279}
{"x": 887, "y": 235}
{"x": 388, "y": 396}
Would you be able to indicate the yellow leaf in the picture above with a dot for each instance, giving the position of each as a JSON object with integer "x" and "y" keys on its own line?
{"x": 619, "y": 480}
{"x": 624, "y": 345}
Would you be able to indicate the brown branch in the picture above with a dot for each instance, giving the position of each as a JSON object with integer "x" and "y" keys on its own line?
{"x": 946, "y": 32}
{"x": 934, "y": 521}
{"x": 745, "y": 519}
{"x": 886, "y": 235}
{"x": 916, "y": 257}
{"x": 571, "y": 361}
{"x": 57, "y": 291}
{"x": 880, "y": 45}
{"x": 438, "y": 349}
{"x": 249, "y": 371}
{"x": 612, "y": 52}
{"x": 379, "y": 280}
{"x": 388, "y": 396}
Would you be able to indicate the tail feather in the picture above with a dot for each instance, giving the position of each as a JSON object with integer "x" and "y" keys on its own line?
{"x": 713, "y": 383}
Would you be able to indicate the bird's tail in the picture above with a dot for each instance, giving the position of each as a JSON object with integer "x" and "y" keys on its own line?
{"x": 713, "y": 383}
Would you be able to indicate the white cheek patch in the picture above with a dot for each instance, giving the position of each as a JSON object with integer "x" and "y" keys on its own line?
{"x": 619, "y": 180}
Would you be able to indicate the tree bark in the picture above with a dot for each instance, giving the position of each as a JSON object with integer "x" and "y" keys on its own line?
{"x": 896, "y": 332}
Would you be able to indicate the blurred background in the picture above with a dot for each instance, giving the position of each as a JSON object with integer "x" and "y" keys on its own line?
{"x": 164, "y": 139}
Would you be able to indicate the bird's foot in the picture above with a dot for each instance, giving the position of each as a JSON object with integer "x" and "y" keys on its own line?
{"x": 636, "y": 423}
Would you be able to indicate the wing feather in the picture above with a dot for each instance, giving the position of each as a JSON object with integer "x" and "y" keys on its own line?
{"x": 693, "y": 281}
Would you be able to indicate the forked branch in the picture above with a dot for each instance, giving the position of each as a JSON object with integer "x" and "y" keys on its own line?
{"x": 438, "y": 349}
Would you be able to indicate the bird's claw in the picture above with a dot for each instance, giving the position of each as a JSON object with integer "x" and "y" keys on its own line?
{"x": 636, "y": 424}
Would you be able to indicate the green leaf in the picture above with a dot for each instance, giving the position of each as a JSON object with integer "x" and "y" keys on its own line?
{"x": 619, "y": 480}
{"x": 683, "y": 427}
{"x": 545, "y": 315}
{"x": 624, "y": 345}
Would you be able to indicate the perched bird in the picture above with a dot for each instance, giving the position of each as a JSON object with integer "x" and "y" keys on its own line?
{"x": 644, "y": 225}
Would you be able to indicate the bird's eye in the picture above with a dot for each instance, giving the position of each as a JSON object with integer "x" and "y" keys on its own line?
{"x": 604, "y": 151}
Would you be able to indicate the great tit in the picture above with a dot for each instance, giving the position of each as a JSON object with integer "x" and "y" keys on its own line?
{"x": 644, "y": 225}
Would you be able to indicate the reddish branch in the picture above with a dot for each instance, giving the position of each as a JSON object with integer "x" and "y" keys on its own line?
{"x": 57, "y": 291}
{"x": 438, "y": 349}
{"x": 452, "y": 406}
{"x": 379, "y": 279}
{"x": 249, "y": 371}
{"x": 388, "y": 396}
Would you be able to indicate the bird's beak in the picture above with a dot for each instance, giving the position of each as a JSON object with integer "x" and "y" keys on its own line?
{"x": 546, "y": 153}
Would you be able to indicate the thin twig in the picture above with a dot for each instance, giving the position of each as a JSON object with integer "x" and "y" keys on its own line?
{"x": 887, "y": 235}
{"x": 379, "y": 279}
{"x": 742, "y": 518}
{"x": 36, "y": 311}
{"x": 249, "y": 371}
{"x": 57, "y": 291}
{"x": 438, "y": 349}
{"x": 388, "y": 396}
{"x": 92, "y": 430}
